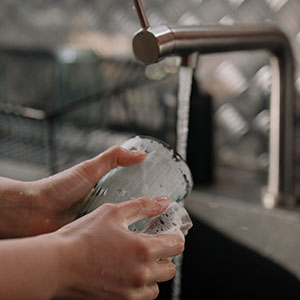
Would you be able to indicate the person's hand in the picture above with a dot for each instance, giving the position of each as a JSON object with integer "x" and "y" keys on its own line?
{"x": 31, "y": 208}
{"x": 103, "y": 259}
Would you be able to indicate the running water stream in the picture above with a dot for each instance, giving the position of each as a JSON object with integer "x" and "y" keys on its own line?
{"x": 183, "y": 109}
{"x": 182, "y": 129}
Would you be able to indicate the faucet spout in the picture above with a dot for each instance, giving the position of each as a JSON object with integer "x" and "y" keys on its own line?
{"x": 155, "y": 43}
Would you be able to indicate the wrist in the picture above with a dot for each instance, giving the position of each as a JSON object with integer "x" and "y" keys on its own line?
{"x": 55, "y": 253}
{"x": 50, "y": 248}
{"x": 64, "y": 259}
{"x": 30, "y": 268}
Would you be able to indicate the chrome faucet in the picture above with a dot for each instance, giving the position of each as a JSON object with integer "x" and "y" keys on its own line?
{"x": 151, "y": 44}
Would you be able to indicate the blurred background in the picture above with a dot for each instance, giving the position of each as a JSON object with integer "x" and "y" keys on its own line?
{"x": 70, "y": 88}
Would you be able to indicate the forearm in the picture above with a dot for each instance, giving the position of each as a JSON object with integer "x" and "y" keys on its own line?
{"x": 29, "y": 268}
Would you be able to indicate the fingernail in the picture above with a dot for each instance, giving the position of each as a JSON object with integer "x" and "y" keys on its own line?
{"x": 162, "y": 201}
{"x": 138, "y": 152}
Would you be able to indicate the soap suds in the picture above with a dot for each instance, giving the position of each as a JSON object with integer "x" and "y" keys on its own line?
{"x": 174, "y": 219}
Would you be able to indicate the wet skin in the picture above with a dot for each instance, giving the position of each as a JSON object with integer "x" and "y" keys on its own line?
{"x": 83, "y": 259}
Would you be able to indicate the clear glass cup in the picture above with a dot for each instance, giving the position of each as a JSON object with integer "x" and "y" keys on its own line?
{"x": 162, "y": 173}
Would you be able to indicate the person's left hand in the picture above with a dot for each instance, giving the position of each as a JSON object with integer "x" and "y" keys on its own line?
{"x": 32, "y": 208}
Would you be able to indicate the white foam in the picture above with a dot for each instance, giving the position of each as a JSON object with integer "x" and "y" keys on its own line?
{"x": 174, "y": 219}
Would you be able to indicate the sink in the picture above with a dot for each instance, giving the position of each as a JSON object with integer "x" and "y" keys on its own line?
{"x": 240, "y": 250}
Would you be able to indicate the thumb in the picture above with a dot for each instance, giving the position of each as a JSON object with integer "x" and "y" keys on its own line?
{"x": 141, "y": 208}
{"x": 98, "y": 166}
{"x": 75, "y": 183}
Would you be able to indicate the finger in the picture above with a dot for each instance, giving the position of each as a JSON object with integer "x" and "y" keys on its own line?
{"x": 163, "y": 270}
{"x": 141, "y": 208}
{"x": 148, "y": 292}
{"x": 152, "y": 291}
{"x": 92, "y": 170}
{"x": 98, "y": 166}
{"x": 165, "y": 245}
{"x": 76, "y": 182}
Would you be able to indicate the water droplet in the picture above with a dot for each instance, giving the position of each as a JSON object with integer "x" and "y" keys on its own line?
{"x": 122, "y": 192}
{"x": 245, "y": 228}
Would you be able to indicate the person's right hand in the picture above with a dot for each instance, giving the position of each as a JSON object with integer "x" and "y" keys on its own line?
{"x": 103, "y": 259}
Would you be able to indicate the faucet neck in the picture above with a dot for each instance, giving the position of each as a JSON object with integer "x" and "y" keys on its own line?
{"x": 156, "y": 43}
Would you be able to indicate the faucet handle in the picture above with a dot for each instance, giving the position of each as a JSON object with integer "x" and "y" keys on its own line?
{"x": 141, "y": 14}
